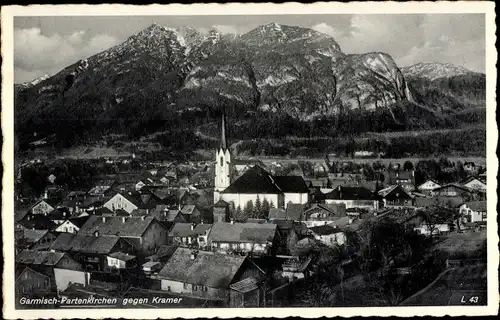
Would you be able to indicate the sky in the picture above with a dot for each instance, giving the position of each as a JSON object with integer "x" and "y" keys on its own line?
{"x": 45, "y": 45}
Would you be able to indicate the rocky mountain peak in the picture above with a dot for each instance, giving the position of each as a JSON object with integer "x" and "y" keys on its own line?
{"x": 434, "y": 70}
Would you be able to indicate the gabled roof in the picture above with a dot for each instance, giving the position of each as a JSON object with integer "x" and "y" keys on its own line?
{"x": 33, "y": 236}
{"x": 117, "y": 226}
{"x": 121, "y": 256}
{"x": 221, "y": 203}
{"x": 36, "y": 221}
{"x": 188, "y": 230}
{"x": 325, "y": 230}
{"x": 209, "y": 269}
{"x": 350, "y": 193}
{"x": 454, "y": 185}
{"x": 69, "y": 242}
{"x": 245, "y": 285}
{"x": 188, "y": 209}
{"x": 79, "y": 221}
{"x": 36, "y": 257}
{"x": 254, "y": 180}
{"x": 333, "y": 209}
{"x": 277, "y": 213}
{"x": 394, "y": 191}
{"x": 469, "y": 179}
{"x": 50, "y": 201}
{"x": 242, "y": 232}
{"x": 291, "y": 184}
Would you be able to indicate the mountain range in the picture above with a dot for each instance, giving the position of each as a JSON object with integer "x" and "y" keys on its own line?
{"x": 163, "y": 77}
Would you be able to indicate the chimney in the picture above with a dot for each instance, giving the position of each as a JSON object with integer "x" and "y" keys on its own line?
{"x": 147, "y": 211}
{"x": 192, "y": 226}
{"x": 45, "y": 195}
{"x": 350, "y": 220}
{"x": 123, "y": 219}
{"x": 232, "y": 221}
{"x": 103, "y": 219}
{"x": 96, "y": 233}
{"x": 143, "y": 218}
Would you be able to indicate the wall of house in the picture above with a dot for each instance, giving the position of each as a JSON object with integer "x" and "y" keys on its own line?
{"x": 301, "y": 198}
{"x": 153, "y": 238}
{"x": 65, "y": 277}
{"x": 241, "y": 199}
{"x": 187, "y": 288}
{"x": 69, "y": 263}
{"x": 31, "y": 282}
{"x": 438, "y": 228}
{"x": 332, "y": 239}
{"x": 120, "y": 202}
{"x": 67, "y": 227}
{"x": 256, "y": 248}
{"x": 476, "y": 185}
{"x": 471, "y": 215}
{"x": 116, "y": 263}
{"x": 367, "y": 204}
{"x": 42, "y": 208}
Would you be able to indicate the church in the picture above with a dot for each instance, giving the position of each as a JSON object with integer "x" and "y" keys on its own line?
{"x": 254, "y": 183}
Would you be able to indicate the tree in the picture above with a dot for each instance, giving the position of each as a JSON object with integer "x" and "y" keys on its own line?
{"x": 248, "y": 210}
{"x": 408, "y": 166}
{"x": 238, "y": 213}
{"x": 257, "y": 210}
{"x": 265, "y": 208}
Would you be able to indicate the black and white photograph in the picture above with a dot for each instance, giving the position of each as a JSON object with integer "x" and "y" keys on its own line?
{"x": 182, "y": 162}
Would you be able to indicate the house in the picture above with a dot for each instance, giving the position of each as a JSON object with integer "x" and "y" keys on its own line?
{"x": 474, "y": 183}
{"x": 474, "y": 211}
{"x": 258, "y": 183}
{"x": 395, "y": 197}
{"x": 296, "y": 268}
{"x": 144, "y": 233}
{"x": 130, "y": 201}
{"x": 59, "y": 215}
{"x": 353, "y": 197}
{"x": 221, "y": 211}
{"x": 103, "y": 188}
{"x": 190, "y": 234}
{"x": 30, "y": 282}
{"x": 403, "y": 178}
{"x": 245, "y": 238}
{"x": 72, "y": 225}
{"x": 321, "y": 214}
{"x": 242, "y": 165}
{"x": 191, "y": 213}
{"x": 90, "y": 250}
{"x": 44, "y": 206}
{"x": 329, "y": 235}
{"x": 121, "y": 260}
{"x": 34, "y": 239}
{"x": 428, "y": 186}
{"x": 451, "y": 190}
{"x": 58, "y": 268}
{"x": 36, "y": 222}
{"x": 277, "y": 213}
{"x": 213, "y": 276}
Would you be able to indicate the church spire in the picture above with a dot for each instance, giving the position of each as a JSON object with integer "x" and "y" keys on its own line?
{"x": 223, "y": 144}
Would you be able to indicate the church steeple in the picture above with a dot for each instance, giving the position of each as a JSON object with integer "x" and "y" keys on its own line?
{"x": 223, "y": 143}
{"x": 222, "y": 163}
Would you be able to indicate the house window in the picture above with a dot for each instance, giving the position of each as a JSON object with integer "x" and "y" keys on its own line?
{"x": 168, "y": 288}
{"x": 195, "y": 288}
{"x": 185, "y": 286}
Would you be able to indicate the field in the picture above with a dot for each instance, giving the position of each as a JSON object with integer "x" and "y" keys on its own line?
{"x": 467, "y": 242}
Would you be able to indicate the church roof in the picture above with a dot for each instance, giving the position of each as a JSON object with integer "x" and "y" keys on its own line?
{"x": 254, "y": 180}
{"x": 223, "y": 142}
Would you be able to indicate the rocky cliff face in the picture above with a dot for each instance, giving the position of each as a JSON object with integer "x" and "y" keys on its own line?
{"x": 274, "y": 67}
{"x": 433, "y": 71}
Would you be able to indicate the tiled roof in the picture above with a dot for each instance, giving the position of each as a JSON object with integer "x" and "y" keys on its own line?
{"x": 186, "y": 230}
{"x": 325, "y": 230}
{"x": 277, "y": 213}
{"x": 394, "y": 191}
{"x": 350, "y": 193}
{"x": 438, "y": 201}
{"x": 33, "y": 236}
{"x": 209, "y": 269}
{"x": 79, "y": 221}
{"x": 294, "y": 211}
{"x": 118, "y": 226}
{"x": 36, "y": 257}
{"x": 69, "y": 242}
{"x": 188, "y": 209}
{"x": 254, "y": 180}
{"x": 291, "y": 184}
{"x": 245, "y": 285}
{"x": 242, "y": 232}
{"x": 121, "y": 256}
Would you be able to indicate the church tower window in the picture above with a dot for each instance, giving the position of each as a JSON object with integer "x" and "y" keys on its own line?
{"x": 221, "y": 161}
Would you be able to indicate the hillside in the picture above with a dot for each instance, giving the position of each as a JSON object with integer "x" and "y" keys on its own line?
{"x": 284, "y": 80}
